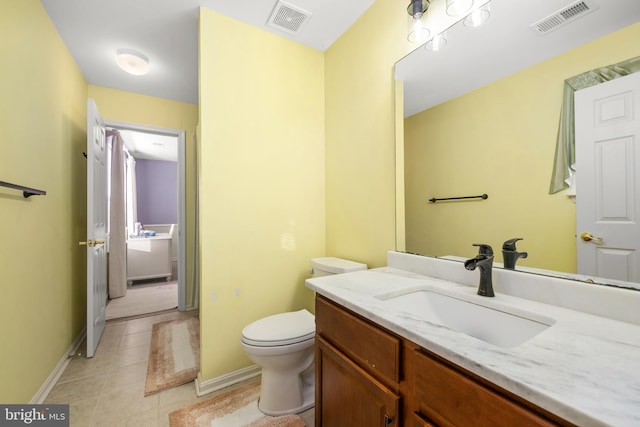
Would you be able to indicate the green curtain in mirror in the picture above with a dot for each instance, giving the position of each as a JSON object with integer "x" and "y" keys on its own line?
{"x": 564, "y": 162}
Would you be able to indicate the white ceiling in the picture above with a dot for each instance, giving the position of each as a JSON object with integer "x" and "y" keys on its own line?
{"x": 150, "y": 146}
{"x": 166, "y": 31}
{"x": 474, "y": 57}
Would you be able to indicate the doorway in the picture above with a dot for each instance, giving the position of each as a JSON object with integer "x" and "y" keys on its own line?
{"x": 156, "y": 275}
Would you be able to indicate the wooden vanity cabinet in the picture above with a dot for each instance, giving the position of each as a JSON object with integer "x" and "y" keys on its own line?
{"x": 357, "y": 370}
{"x": 368, "y": 376}
{"x": 446, "y": 395}
{"x": 347, "y": 395}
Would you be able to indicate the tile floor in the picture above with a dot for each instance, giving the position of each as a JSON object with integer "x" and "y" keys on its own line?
{"x": 108, "y": 389}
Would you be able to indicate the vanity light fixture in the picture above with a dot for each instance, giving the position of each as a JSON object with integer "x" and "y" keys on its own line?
{"x": 437, "y": 42}
{"x": 458, "y": 7}
{"x": 133, "y": 62}
{"x": 478, "y": 17}
{"x": 417, "y": 8}
{"x": 430, "y": 19}
{"x": 418, "y": 32}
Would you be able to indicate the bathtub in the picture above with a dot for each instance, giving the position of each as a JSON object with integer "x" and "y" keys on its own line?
{"x": 149, "y": 257}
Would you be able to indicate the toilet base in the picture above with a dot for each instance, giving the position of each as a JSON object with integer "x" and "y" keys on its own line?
{"x": 309, "y": 403}
{"x": 273, "y": 403}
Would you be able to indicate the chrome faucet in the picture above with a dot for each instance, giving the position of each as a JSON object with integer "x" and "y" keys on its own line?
{"x": 510, "y": 254}
{"x": 484, "y": 261}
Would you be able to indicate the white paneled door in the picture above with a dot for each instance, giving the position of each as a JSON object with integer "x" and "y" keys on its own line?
{"x": 96, "y": 227}
{"x": 607, "y": 119}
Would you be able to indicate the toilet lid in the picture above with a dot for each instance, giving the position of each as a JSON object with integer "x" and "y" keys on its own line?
{"x": 280, "y": 329}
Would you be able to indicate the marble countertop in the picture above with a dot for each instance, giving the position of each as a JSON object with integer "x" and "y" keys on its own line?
{"x": 584, "y": 368}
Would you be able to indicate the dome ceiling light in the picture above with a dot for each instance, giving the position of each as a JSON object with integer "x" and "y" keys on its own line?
{"x": 132, "y": 62}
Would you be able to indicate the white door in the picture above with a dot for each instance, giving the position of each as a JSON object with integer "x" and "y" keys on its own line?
{"x": 607, "y": 119}
{"x": 96, "y": 227}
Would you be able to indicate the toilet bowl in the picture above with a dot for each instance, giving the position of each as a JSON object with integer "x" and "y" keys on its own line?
{"x": 283, "y": 346}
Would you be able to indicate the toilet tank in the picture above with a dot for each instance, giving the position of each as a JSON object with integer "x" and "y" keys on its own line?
{"x": 330, "y": 265}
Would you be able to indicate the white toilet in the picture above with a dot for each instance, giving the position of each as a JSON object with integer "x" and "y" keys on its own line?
{"x": 282, "y": 345}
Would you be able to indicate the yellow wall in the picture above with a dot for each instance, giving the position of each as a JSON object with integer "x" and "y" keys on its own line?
{"x": 360, "y": 135}
{"x": 261, "y": 181}
{"x": 118, "y": 105}
{"x": 122, "y": 106}
{"x": 297, "y": 160}
{"x": 42, "y": 268}
{"x": 500, "y": 140}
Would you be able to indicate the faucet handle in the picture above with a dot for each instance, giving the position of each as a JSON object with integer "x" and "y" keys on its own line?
{"x": 484, "y": 249}
{"x": 510, "y": 245}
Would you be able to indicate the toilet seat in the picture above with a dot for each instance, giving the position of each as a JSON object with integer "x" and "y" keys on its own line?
{"x": 280, "y": 329}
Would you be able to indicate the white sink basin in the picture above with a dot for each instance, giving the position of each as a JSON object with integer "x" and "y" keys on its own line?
{"x": 479, "y": 317}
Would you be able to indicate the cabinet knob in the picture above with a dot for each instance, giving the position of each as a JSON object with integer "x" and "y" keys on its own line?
{"x": 387, "y": 420}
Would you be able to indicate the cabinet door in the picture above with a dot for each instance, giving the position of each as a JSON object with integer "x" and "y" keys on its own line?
{"x": 451, "y": 398}
{"x": 347, "y": 396}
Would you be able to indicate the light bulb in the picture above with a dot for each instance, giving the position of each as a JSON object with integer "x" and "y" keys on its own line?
{"x": 418, "y": 33}
{"x": 478, "y": 16}
{"x": 437, "y": 42}
{"x": 458, "y": 7}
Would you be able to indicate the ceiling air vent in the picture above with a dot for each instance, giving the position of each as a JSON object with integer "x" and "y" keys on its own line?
{"x": 564, "y": 16}
{"x": 287, "y": 17}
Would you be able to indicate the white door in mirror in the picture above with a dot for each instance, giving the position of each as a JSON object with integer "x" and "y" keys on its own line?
{"x": 608, "y": 179}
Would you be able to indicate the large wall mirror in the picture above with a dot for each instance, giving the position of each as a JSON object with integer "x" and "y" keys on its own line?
{"x": 481, "y": 117}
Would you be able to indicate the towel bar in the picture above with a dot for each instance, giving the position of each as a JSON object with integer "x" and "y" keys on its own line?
{"x": 26, "y": 191}
{"x": 482, "y": 196}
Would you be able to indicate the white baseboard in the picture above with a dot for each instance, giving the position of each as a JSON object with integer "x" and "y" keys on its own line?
{"x": 218, "y": 383}
{"x": 57, "y": 372}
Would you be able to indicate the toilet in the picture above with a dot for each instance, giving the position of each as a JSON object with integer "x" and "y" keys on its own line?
{"x": 282, "y": 345}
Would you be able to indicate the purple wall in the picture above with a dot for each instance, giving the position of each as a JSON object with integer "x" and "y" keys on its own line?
{"x": 157, "y": 187}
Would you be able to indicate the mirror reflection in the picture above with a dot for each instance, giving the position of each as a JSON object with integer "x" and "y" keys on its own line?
{"x": 484, "y": 120}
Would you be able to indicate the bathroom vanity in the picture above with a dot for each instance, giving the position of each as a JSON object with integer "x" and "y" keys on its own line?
{"x": 386, "y": 360}
{"x": 393, "y": 376}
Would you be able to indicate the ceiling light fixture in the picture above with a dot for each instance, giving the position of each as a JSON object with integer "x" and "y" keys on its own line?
{"x": 132, "y": 62}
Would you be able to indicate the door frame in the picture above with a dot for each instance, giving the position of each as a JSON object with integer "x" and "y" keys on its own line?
{"x": 182, "y": 215}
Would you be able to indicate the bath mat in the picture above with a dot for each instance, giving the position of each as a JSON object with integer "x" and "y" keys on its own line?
{"x": 235, "y": 408}
{"x": 174, "y": 356}
{"x": 144, "y": 300}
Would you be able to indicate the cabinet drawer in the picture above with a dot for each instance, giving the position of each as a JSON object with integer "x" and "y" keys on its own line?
{"x": 373, "y": 348}
{"x": 417, "y": 421}
{"x": 449, "y": 397}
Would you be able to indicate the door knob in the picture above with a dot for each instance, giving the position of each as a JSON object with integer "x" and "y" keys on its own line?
{"x": 588, "y": 237}
{"x": 92, "y": 243}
